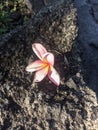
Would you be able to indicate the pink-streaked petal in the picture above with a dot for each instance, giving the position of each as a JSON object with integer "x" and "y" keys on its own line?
{"x": 36, "y": 65}
{"x": 49, "y": 57}
{"x": 54, "y": 76}
{"x": 41, "y": 74}
{"x": 39, "y": 50}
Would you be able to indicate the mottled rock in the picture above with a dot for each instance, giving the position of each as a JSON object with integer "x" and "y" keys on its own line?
{"x": 50, "y": 26}
{"x": 25, "y": 105}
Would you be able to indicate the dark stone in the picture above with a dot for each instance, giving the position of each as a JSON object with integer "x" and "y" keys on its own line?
{"x": 88, "y": 40}
{"x": 95, "y": 12}
{"x": 43, "y": 105}
{"x": 93, "y": 1}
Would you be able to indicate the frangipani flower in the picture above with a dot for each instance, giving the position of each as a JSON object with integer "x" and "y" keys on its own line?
{"x": 43, "y": 66}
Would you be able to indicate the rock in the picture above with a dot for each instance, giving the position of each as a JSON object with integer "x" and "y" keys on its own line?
{"x": 15, "y": 16}
{"x": 25, "y": 105}
{"x": 34, "y": 5}
{"x": 56, "y": 21}
{"x": 95, "y": 12}
{"x": 93, "y": 1}
{"x": 88, "y": 40}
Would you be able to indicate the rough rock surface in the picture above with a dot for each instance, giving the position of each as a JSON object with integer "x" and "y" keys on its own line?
{"x": 28, "y": 106}
{"x": 88, "y": 40}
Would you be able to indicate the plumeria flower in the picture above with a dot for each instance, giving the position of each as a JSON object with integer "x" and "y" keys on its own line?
{"x": 43, "y": 66}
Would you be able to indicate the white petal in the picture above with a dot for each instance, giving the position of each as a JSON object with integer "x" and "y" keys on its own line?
{"x": 41, "y": 74}
{"x": 54, "y": 76}
{"x": 37, "y": 65}
{"x": 39, "y": 50}
{"x": 49, "y": 57}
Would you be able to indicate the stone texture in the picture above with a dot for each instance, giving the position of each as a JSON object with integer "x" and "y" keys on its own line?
{"x": 61, "y": 39}
{"x": 88, "y": 40}
{"x": 92, "y": 1}
{"x": 28, "y": 106}
{"x": 95, "y": 12}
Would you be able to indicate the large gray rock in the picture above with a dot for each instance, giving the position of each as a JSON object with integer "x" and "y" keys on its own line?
{"x": 73, "y": 106}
